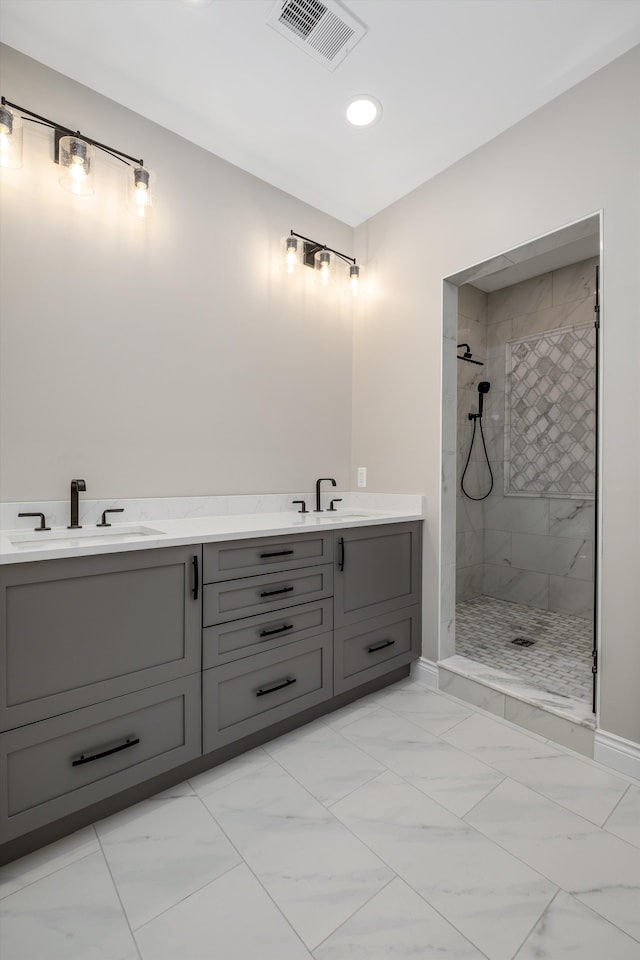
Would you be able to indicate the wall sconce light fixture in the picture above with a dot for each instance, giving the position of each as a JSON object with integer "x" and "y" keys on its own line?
{"x": 74, "y": 152}
{"x": 299, "y": 250}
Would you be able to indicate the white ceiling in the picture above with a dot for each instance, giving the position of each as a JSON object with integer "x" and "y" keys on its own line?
{"x": 450, "y": 74}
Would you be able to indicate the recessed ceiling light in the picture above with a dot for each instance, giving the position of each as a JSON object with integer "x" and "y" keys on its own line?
{"x": 363, "y": 111}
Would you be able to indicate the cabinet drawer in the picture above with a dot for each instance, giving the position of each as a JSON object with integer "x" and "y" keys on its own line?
{"x": 243, "y": 697}
{"x": 232, "y": 599}
{"x": 246, "y": 558}
{"x": 52, "y": 768}
{"x": 85, "y": 629}
{"x": 375, "y": 647}
{"x": 230, "y": 641}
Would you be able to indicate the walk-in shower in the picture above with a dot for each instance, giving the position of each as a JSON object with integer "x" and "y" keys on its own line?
{"x": 525, "y": 468}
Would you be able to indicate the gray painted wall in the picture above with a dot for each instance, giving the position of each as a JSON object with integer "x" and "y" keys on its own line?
{"x": 551, "y": 169}
{"x": 168, "y": 358}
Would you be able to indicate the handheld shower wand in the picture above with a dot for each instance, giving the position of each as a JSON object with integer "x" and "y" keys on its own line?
{"x": 483, "y": 388}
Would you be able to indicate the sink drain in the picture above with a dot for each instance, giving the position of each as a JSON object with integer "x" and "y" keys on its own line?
{"x": 523, "y": 642}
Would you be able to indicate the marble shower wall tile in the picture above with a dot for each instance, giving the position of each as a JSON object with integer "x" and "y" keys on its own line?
{"x": 517, "y": 586}
{"x": 574, "y": 597}
{"x": 575, "y": 313}
{"x": 575, "y": 282}
{"x": 559, "y": 556}
{"x": 572, "y": 518}
{"x": 526, "y": 297}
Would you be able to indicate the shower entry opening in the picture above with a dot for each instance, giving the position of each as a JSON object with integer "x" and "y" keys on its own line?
{"x": 519, "y": 563}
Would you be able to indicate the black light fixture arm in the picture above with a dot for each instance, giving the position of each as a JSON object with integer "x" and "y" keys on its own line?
{"x": 62, "y": 131}
{"x": 322, "y": 246}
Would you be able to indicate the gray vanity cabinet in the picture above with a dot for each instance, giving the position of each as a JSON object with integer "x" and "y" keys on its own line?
{"x": 100, "y": 686}
{"x": 377, "y": 590}
{"x": 85, "y": 629}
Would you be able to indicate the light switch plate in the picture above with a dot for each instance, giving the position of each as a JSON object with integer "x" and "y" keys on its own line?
{"x": 362, "y": 476}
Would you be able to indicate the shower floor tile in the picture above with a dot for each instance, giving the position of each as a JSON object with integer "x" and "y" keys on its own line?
{"x": 558, "y": 661}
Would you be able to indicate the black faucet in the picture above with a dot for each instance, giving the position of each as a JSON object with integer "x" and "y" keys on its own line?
{"x": 318, "y": 482}
{"x": 76, "y": 487}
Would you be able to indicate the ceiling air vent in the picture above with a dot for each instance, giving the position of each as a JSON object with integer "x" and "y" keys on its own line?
{"x": 324, "y": 30}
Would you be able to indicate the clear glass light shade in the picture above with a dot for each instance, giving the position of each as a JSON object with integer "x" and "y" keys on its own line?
{"x": 292, "y": 249}
{"x": 140, "y": 190}
{"x": 10, "y": 138}
{"x": 76, "y": 160}
{"x": 324, "y": 262}
{"x": 354, "y": 279}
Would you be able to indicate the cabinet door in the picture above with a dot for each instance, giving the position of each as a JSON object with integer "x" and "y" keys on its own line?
{"x": 377, "y": 571}
{"x": 79, "y": 631}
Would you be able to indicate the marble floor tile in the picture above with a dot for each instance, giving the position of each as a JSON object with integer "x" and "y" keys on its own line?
{"x": 397, "y": 924}
{"x": 492, "y": 898}
{"x": 326, "y": 764}
{"x": 570, "y": 931}
{"x": 424, "y": 707}
{"x": 20, "y": 873}
{"x": 354, "y": 711}
{"x": 625, "y": 819}
{"x": 316, "y": 871}
{"x": 599, "y": 869}
{"x": 160, "y": 851}
{"x": 230, "y": 919}
{"x": 497, "y": 743}
{"x": 247, "y": 764}
{"x": 73, "y": 914}
{"x": 575, "y": 784}
{"x": 448, "y": 775}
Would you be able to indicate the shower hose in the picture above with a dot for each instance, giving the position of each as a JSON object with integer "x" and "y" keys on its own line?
{"x": 476, "y": 417}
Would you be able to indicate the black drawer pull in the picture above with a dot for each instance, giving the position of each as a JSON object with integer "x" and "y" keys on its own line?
{"x": 280, "y": 553}
{"x": 341, "y": 560}
{"x": 274, "y": 593}
{"x": 278, "y": 685}
{"x": 196, "y": 578}
{"x": 272, "y": 633}
{"x": 130, "y": 742}
{"x": 380, "y": 646}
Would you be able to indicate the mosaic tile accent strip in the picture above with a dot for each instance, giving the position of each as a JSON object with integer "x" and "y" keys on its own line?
{"x": 559, "y": 661}
{"x": 550, "y": 414}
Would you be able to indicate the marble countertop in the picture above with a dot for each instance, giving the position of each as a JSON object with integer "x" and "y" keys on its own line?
{"x": 26, "y": 545}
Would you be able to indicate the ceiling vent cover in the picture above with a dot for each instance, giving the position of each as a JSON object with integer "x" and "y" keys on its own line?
{"x": 322, "y": 28}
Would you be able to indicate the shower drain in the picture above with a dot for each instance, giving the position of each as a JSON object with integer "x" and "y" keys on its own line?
{"x": 523, "y": 642}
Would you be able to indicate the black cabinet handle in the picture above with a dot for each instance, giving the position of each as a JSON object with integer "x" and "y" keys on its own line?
{"x": 280, "y": 553}
{"x": 380, "y": 646}
{"x": 196, "y": 577}
{"x": 278, "y": 685}
{"x": 272, "y": 633}
{"x": 341, "y": 560}
{"x": 274, "y": 593}
{"x": 129, "y": 742}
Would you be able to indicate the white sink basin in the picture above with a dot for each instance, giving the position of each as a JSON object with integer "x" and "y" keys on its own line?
{"x": 91, "y": 536}
{"x": 332, "y": 517}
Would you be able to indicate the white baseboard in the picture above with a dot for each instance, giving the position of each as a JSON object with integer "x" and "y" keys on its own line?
{"x": 426, "y": 671}
{"x": 617, "y": 753}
